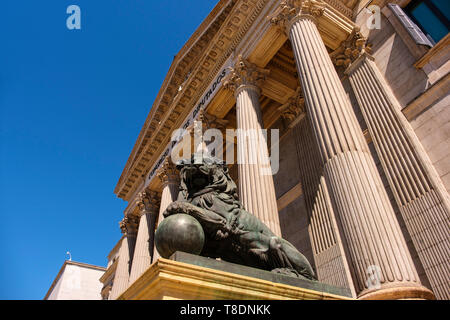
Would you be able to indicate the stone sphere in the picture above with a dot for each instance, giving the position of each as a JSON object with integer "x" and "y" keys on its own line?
{"x": 179, "y": 232}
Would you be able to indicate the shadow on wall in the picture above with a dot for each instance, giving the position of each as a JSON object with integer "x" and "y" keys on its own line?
{"x": 396, "y": 63}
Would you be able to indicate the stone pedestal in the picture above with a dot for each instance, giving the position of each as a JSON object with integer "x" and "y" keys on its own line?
{"x": 191, "y": 277}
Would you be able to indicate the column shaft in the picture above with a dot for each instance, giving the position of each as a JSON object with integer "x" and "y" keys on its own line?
{"x": 329, "y": 256}
{"x": 120, "y": 283}
{"x": 169, "y": 177}
{"x": 148, "y": 207}
{"x": 256, "y": 190}
{"x": 128, "y": 226}
{"x": 142, "y": 253}
{"x": 375, "y": 245}
{"x": 420, "y": 194}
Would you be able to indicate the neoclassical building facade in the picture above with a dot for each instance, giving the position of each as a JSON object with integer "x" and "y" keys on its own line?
{"x": 360, "y": 96}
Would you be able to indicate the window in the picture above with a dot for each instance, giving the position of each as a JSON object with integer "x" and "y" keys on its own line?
{"x": 432, "y": 16}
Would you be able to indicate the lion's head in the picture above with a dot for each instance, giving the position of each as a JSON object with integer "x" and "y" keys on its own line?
{"x": 202, "y": 173}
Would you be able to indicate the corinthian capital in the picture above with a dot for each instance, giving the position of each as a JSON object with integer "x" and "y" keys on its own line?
{"x": 129, "y": 225}
{"x": 147, "y": 202}
{"x": 168, "y": 173}
{"x": 244, "y": 73}
{"x": 293, "y": 110}
{"x": 350, "y": 49}
{"x": 289, "y": 10}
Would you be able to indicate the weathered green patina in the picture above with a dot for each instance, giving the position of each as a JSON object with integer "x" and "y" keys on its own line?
{"x": 189, "y": 236}
{"x": 208, "y": 194}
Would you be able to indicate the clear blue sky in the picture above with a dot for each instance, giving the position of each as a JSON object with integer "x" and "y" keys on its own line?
{"x": 72, "y": 103}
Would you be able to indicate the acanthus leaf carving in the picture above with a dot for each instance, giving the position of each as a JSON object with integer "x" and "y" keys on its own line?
{"x": 148, "y": 201}
{"x": 168, "y": 172}
{"x": 128, "y": 225}
{"x": 290, "y": 9}
{"x": 350, "y": 49}
{"x": 293, "y": 110}
{"x": 244, "y": 73}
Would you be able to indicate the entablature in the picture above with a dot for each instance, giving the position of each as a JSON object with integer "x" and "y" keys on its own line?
{"x": 246, "y": 28}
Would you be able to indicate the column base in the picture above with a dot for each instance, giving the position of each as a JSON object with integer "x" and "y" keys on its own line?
{"x": 202, "y": 280}
{"x": 398, "y": 292}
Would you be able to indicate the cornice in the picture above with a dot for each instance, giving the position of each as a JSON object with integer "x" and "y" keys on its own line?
{"x": 236, "y": 24}
{"x": 234, "y": 28}
{"x": 174, "y": 102}
{"x": 345, "y": 7}
{"x": 181, "y": 64}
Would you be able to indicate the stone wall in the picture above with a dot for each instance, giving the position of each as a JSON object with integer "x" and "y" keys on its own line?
{"x": 396, "y": 62}
{"x": 77, "y": 283}
{"x": 432, "y": 127}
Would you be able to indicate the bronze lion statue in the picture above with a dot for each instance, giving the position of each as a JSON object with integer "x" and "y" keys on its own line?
{"x": 208, "y": 194}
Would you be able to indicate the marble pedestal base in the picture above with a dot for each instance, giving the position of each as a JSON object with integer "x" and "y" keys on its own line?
{"x": 190, "y": 277}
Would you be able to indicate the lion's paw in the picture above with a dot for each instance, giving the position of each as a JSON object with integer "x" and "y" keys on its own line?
{"x": 174, "y": 208}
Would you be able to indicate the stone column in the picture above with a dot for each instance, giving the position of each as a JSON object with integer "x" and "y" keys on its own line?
{"x": 128, "y": 227}
{"x": 256, "y": 188}
{"x": 328, "y": 251}
{"x": 418, "y": 190}
{"x": 148, "y": 210}
{"x": 381, "y": 265}
{"x": 170, "y": 180}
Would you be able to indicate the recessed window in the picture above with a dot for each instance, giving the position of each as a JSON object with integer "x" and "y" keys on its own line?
{"x": 432, "y": 16}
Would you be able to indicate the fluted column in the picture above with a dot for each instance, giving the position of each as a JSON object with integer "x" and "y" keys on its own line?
{"x": 170, "y": 179}
{"x": 418, "y": 190}
{"x": 328, "y": 250}
{"x": 148, "y": 203}
{"x": 381, "y": 264}
{"x": 256, "y": 187}
{"x": 128, "y": 227}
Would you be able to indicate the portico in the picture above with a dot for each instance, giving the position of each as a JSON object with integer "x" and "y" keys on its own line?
{"x": 278, "y": 65}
